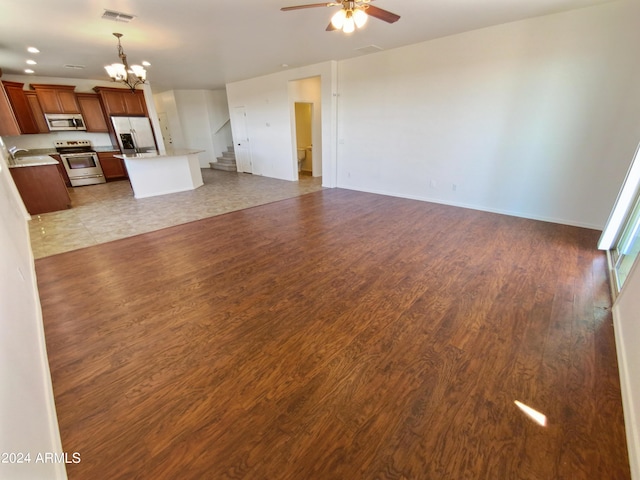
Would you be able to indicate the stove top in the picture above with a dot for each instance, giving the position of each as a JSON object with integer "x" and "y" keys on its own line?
{"x": 73, "y": 146}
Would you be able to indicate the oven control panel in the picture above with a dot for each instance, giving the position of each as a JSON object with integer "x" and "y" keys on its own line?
{"x": 73, "y": 143}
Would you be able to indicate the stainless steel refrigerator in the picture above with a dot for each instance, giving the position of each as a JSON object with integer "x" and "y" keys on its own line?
{"x": 134, "y": 134}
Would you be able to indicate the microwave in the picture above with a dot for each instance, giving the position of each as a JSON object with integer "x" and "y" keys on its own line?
{"x": 64, "y": 121}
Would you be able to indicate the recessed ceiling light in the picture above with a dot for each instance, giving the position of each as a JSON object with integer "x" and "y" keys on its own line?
{"x": 31, "y": 62}
{"x": 28, "y": 70}
{"x": 33, "y": 50}
{"x": 146, "y": 64}
{"x": 284, "y": 65}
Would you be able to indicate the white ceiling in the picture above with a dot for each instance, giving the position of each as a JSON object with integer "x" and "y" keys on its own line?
{"x": 203, "y": 44}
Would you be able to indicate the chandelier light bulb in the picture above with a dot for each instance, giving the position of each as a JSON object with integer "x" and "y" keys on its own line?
{"x": 360, "y": 17}
{"x": 338, "y": 19}
{"x": 349, "y": 24}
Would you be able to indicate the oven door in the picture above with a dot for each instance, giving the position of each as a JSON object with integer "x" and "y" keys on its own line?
{"x": 83, "y": 168}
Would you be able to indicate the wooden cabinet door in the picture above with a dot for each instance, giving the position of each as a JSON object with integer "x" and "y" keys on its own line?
{"x": 57, "y": 98}
{"x": 68, "y": 101}
{"x": 8, "y": 122}
{"x": 92, "y": 113}
{"x": 113, "y": 102}
{"x": 112, "y": 167}
{"x": 36, "y": 109}
{"x": 122, "y": 101}
{"x": 134, "y": 103}
{"x": 41, "y": 189}
{"x": 61, "y": 169}
{"x": 48, "y": 99}
{"x": 21, "y": 108}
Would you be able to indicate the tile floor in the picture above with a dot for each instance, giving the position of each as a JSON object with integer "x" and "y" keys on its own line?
{"x": 102, "y": 213}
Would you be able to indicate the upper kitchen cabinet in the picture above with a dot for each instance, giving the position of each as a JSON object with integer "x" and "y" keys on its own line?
{"x": 36, "y": 109}
{"x": 120, "y": 101}
{"x": 8, "y": 122}
{"x": 57, "y": 98}
{"x": 21, "y": 108}
{"x": 92, "y": 112}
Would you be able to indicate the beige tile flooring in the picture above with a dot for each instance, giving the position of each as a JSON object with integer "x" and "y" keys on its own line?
{"x": 102, "y": 213}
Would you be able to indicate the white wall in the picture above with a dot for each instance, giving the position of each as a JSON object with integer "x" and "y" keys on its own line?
{"x": 196, "y": 120}
{"x": 269, "y": 120}
{"x": 28, "y": 420}
{"x": 537, "y": 118}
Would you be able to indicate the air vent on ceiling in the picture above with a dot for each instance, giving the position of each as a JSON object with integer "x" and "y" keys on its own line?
{"x": 74, "y": 67}
{"x": 369, "y": 49}
{"x": 117, "y": 16}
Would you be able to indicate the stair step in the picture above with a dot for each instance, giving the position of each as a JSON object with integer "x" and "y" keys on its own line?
{"x": 230, "y": 155}
{"x": 226, "y": 161}
{"x": 222, "y": 166}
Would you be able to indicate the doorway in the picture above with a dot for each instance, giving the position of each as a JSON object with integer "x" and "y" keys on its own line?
{"x": 241, "y": 141}
{"x": 305, "y": 107}
{"x": 304, "y": 137}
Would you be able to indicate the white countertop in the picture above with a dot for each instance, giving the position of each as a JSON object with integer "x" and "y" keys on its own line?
{"x": 177, "y": 152}
{"x": 33, "y": 161}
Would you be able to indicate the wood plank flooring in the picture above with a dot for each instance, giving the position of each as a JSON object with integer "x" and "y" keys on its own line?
{"x": 337, "y": 335}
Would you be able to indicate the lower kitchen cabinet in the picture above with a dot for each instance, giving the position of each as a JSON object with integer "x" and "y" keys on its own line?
{"x": 113, "y": 168}
{"x": 41, "y": 188}
{"x": 61, "y": 169}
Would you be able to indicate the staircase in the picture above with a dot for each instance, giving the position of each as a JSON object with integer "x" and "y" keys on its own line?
{"x": 226, "y": 162}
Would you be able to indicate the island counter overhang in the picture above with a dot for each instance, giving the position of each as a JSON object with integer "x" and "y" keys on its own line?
{"x": 153, "y": 173}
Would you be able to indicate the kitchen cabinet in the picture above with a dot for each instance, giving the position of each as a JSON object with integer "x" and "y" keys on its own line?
{"x": 8, "y": 122}
{"x": 20, "y": 106}
{"x": 36, "y": 109}
{"x": 92, "y": 112}
{"x": 122, "y": 101}
{"x": 41, "y": 188}
{"x": 112, "y": 167}
{"x": 61, "y": 169}
{"x": 57, "y": 98}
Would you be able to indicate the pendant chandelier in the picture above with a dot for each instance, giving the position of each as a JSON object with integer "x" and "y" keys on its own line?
{"x": 121, "y": 72}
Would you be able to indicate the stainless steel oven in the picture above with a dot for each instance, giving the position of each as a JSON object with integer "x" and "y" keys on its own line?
{"x": 80, "y": 162}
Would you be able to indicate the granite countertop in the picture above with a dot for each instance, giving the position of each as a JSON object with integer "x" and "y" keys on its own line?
{"x": 32, "y": 161}
{"x": 108, "y": 148}
{"x": 34, "y": 152}
{"x": 177, "y": 152}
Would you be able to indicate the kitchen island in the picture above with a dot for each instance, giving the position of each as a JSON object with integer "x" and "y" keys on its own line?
{"x": 156, "y": 173}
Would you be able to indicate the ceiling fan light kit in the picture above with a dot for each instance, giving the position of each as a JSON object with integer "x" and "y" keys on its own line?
{"x": 352, "y": 14}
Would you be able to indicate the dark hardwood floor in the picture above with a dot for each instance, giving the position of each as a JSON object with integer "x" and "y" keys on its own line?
{"x": 337, "y": 335}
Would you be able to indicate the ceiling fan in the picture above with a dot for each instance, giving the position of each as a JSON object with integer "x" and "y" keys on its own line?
{"x": 353, "y": 14}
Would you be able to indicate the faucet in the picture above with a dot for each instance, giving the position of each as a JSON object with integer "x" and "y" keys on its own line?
{"x": 13, "y": 150}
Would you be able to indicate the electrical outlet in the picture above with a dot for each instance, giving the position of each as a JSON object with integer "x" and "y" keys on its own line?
{"x": 432, "y": 183}
{"x": 454, "y": 187}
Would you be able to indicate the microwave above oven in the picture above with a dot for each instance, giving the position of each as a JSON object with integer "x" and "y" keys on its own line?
{"x": 64, "y": 121}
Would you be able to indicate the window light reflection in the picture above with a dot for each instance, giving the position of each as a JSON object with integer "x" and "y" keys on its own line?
{"x": 539, "y": 418}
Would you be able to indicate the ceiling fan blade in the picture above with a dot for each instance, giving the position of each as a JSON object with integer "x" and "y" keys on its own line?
{"x": 381, "y": 14}
{"x": 311, "y": 5}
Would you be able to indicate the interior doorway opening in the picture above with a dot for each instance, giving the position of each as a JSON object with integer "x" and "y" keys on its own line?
{"x": 304, "y": 137}
{"x": 305, "y": 96}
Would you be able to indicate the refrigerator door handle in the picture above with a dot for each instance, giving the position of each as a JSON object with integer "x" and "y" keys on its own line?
{"x": 135, "y": 139}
